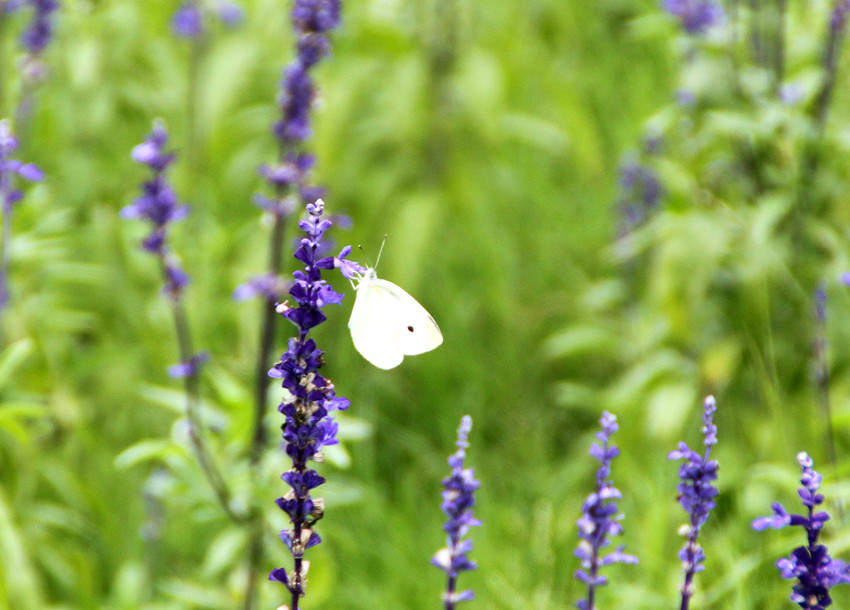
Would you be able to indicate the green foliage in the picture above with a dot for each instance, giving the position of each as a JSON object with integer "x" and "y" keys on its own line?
{"x": 485, "y": 140}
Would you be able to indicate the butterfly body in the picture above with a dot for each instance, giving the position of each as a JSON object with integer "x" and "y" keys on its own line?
{"x": 388, "y": 324}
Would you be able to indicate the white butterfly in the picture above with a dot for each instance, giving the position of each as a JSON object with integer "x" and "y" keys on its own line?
{"x": 388, "y": 324}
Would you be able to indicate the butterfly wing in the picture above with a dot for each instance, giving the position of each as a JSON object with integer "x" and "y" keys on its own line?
{"x": 373, "y": 330}
{"x": 417, "y": 330}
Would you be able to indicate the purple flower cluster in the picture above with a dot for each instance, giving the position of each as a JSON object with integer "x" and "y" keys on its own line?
{"x": 458, "y": 500}
{"x": 599, "y": 521}
{"x": 40, "y": 31}
{"x": 188, "y": 20}
{"x": 159, "y": 205}
{"x": 816, "y": 572}
{"x": 696, "y": 495}
{"x": 10, "y": 167}
{"x": 189, "y": 368}
{"x": 838, "y": 18}
{"x": 312, "y": 20}
{"x": 9, "y": 195}
{"x": 696, "y": 15}
{"x": 641, "y": 194}
{"x": 309, "y": 397}
{"x": 268, "y": 286}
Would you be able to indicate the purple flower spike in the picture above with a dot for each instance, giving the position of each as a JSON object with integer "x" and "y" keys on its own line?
{"x": 10, "y": 167}
{"x": 312, "y": 20}
{"x": 309, "y": 398}
{"x": 838, "y": 18}
{"x": 458, "y": 500}
{"x": 696, "y": 495}
{"x": 159, "y": 205}
{"x": 641, "y": 194}
{"x": 9, "y": 195}
{"x": 40, "y": 31}
{"x": 309, "y": 401}
{"x": 816, "y": 572}
{"x": 696, "y": 15}
{"x": 599, "y": 521}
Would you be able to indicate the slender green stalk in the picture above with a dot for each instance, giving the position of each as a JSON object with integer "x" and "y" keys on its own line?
{"x": 756, "y": 32}
{"x": 779, "y": 52}
{"x": 822, "y": 375}
{"x": 194, "y": 146}
{"x": 25, "y": 108}
{"x": 830, "y": 66}
{"x": 193, "y": 400}
{"x": 261, "y": 377}
{"x": 3, "y": 20}
{"x": 5, "y": 237}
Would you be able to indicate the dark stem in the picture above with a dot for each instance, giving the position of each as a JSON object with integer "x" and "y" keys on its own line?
{"x": 820, "y": 111}
{"x": 830, "y": 65}
{"x": 748, "y": 154}
{"x": 686, "y": 590}
{"x": 193, "y": 140}
{"x": 26, "y": 106}
{"x": 756, "y": 33}
{"x": 2, "y": 32}
{"x": 192, "y": 388}
{"x": 450, "y": 589}
{"x": 823, "y": 393}
{"x": 591, "y": 587}
{"x": 6, "y": 219}
{"x": 733, "y": 47}
{"x": 822, "y": 377}
{"x": 261, "y": 377}
{"x": 811, "y": 154}
{"x": 296, "y": 587}
{"x": 687, "y": 587}
{"x": 812, "y": 534}
{"x": 779, "y": 57}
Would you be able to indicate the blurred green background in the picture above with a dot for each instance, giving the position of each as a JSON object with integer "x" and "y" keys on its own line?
{"x": 486, "y": 140}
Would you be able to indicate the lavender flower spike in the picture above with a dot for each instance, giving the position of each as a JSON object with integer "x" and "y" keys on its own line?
{"x": 696, "y": 15}
{"x": 696, "y": 495}
{"x": 159, "y": 205}
{"x": 9, "y": 195}
{"x": 598, "y": 523}
{"x": 309, "y": 399}
{"x": 312, "y": 20}
{"x": 458, "y": 500}
{"x": 38, "y": 35}
{"x": 816, "y": 572}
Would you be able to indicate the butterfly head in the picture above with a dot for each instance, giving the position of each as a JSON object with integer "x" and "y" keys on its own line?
{"x": 370, "y": 276}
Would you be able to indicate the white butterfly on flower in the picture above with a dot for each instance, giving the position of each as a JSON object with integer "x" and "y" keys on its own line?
{"x": 387, "y": 323}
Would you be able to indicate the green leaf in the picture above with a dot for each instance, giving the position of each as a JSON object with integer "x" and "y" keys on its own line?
{"x": 146, "y": 451}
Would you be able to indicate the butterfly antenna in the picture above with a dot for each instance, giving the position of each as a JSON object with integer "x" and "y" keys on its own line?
{"x": 384, "y": 241}
{"x": 369, "y": 260}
